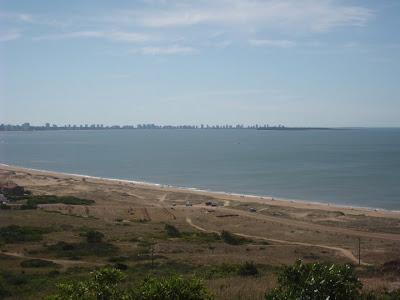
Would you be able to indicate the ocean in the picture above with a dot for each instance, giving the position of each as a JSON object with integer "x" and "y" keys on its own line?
{"x": 359, "y": 167}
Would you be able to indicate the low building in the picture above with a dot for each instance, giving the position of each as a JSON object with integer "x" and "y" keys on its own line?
{"x": 3, "y": 199}
{"x": 11, "y": 189}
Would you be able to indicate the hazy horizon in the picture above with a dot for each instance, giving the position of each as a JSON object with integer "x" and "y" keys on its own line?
{"x": 298, "y": 63}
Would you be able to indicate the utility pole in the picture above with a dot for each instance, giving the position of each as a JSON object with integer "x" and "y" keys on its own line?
{"x": 359, "y": 251}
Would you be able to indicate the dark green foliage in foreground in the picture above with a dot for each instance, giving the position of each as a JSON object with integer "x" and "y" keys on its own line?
{"x": 172, "y": 231}
{"x": 233, "y": 239}
{"x": 38, "y": 263}
{"x": 94, "y": 236}
{"x": 15, "y": 233}
{"x": 101, "y": 285}
{"x": 74, "y": 250}
{"x": 107, "y": 284}
{"x": 317, "y": 282}
{"x": 3, "y": 288}
{"x": 33, "y": 201}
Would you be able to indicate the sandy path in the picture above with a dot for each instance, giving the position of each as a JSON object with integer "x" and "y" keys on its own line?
{"x": 315, "y": 227}
{"x": 163, "y": 197}
{"x": 63, "y": 262}
{"x": 344, "y": 252}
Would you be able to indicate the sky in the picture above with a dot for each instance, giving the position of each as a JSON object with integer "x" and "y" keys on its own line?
{"x": 291, "y": 62}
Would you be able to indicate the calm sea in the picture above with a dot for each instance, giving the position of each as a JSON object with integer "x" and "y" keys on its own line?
{"x": 353, "y": 167}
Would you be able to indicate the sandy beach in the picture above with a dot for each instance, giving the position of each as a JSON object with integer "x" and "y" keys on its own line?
{"x": 282, "y": 230}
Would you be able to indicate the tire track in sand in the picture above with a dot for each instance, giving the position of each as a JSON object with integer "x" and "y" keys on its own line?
{"x": 344, "y": 252}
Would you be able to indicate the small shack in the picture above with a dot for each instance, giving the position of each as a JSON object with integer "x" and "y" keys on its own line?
{"x": 3, "y": 199}
{"x": 11, "y": 189}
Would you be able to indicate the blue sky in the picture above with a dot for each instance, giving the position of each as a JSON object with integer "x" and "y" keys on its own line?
{"x": 292, "y": 62}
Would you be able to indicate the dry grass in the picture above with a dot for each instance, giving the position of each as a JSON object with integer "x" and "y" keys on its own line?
{"x": 241, "y": 288}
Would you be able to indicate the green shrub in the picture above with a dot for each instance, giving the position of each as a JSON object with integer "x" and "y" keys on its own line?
{"x": 94, "y": 236}
{"x": 107, "y": 284}
{"x": 172, "y": 231}
{"x": 104, "y": 284}
{"x": 248, "y": 269}
{"x": 317, "y": 282}
{"x": 200, "y": 237}
{"x": 232, "y": 239}
{"x": 217, "y": 271}
{"x": 51, "y": 199}
{"x": 15, "y": 233}
{"x": 4, "y": 292}
{"x": 170, "y": 288}
{"x": 38, "y": 263}
{"x": 72, "y": 250}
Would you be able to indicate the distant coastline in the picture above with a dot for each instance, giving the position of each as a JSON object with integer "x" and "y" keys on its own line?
{"x": 298, "y": 128}
{"x": 54, "y": 127}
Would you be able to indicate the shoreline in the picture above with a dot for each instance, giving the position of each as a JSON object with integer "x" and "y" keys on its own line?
{"x": 261, "y": 199}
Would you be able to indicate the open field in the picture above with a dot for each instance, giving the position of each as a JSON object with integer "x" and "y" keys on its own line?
{"x": 133, "y": 216}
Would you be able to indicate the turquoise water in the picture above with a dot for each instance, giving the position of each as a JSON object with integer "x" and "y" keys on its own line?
{"x": 353, "y": 167}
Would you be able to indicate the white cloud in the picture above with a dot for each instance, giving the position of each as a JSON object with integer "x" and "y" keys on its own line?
{"x": 9, "y": 35}
{"x": 273, "y": 43}
{"x": 121, "y": 36}
{"x": 309, "y": 15}
{"x": 17, "y": 17}
{"x": 167, "y": 50}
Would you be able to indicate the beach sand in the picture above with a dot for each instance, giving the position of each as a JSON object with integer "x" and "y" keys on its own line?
{"x": 286, "y": 229}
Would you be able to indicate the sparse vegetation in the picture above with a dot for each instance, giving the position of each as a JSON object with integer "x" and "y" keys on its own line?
{"x": 233, "y": 239}
{"x": 75, "y": 250}
{"x": 15, "y": 233}
{"x": 94, "y": 236}
{"x": 248, "y": 269}
{"x": 32, "y": 201}
{"x": 172, "y": 231}
{"x": 38, "y": 263}
{"x": 226, "y": 269}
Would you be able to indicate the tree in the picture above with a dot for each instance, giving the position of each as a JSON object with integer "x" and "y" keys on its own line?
{"x": 170, "y": 288}
{"x": 317, "y": 282}
{"x": 101, "y": 285}
{"x": 94, "y": 236}
{"x": 172, "y": 231}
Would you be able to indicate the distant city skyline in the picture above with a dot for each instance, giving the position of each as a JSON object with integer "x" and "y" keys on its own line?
{"x": 47, "y": 126}
{"x": 328, "y": 63}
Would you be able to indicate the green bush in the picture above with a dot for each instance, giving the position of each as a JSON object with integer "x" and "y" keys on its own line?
{"x": 15, "y": 233}
{"x": 317, "y": 282}
{"x": 200, "y": 237}
{"x": 248, "y": 269}
{"x": 65, "y": 249}
{"x": 232, "y": 239}
{"x": 51, "y": 199}
{"x": 4, "y": 292}
{"x": 38, "y": 263}
{"x": 170, "y": 288}
{"x": 104, "y": 284}
{"x": 172, "y": 231}
{"x": 108, "y": 284}
{"x": 94, "y": 236}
